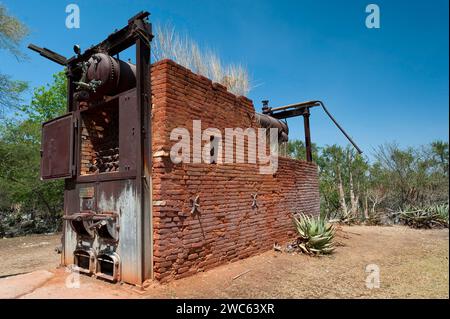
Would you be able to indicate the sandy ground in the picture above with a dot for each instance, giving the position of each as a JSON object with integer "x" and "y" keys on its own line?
{"x": 412, "y": 264}
{"x": 24, "y": 254}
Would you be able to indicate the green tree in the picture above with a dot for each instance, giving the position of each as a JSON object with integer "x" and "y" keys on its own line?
{"x": 376, "y": 186}
{"x": 48, "y": 101}
{"x": 357, "y": 169}
{"x": 440, "y": 155}
{"x": 296, "y": 149}
{"x": 399, "y": 166}
{"x": 333, "y": 164}
{"x": 19, "y": 169}
{"x": 20, "y": 156}
{"x": 414, "y": 176}
{"x": 12, "y": 32}
{"x": 343, "y": 179}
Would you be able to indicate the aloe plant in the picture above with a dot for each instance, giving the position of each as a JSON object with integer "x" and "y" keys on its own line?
{"x": 441, "y": 211}
{"x": 315, "y": 234}
{"x": 428, "y": 217}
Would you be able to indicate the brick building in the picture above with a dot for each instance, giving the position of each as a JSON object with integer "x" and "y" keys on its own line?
{"x": 228, "y": 226}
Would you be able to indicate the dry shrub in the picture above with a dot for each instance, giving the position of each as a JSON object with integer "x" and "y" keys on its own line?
{"x": 168, "y": 44}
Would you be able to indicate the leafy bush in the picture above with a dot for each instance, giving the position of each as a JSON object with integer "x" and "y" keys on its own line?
{"x": 315, "y": 234}
{"x": 352, "y": 187}
{"x": 17, "y": 223}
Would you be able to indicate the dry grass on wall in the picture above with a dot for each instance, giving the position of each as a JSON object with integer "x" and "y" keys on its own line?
{"x": 168, "y": 44}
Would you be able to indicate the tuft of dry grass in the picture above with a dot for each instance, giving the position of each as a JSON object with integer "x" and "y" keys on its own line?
{"x": 168, "y": 44}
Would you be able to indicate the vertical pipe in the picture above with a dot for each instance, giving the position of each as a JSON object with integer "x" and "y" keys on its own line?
{"x": 307, "y": 135}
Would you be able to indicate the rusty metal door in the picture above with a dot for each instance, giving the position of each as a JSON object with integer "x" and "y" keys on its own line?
{"x": 57, "y": 147}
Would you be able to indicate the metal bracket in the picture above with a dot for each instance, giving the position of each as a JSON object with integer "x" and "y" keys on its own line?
{"x": 195, "y": 203}
{"x": 91, "y": 215}
{"x": 254, "y": 202}
{"x": 98, "y": 224}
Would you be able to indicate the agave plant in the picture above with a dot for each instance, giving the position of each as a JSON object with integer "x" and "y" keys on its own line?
{"x": 441, "y": 211}
{"x": 429, "y": 217}
{"x": 315, "y": 234}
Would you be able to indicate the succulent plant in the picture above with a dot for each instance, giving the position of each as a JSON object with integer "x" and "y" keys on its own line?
{"x": 428, "y": 217}
{"x": 315, "y": 234}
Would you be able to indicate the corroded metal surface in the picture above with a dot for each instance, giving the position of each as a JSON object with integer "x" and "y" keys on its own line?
{"x": 267, "y": 121}
{"x": 56, "y": 149}
{"x": 100, "y": 148}
{"x": 113, "y": 75}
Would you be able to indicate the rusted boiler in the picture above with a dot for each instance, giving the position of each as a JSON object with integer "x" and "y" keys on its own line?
{"x": 101, "y": 147}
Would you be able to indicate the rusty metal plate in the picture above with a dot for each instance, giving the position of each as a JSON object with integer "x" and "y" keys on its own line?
{"x": 128, "y": 131}
{"x": 56, "y": 148}
{"x": 87, "y": 192}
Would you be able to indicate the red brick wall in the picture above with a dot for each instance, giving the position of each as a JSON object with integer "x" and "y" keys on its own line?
{"x": 227, "y": 228}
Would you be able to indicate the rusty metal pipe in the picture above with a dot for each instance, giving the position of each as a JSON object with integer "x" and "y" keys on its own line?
{"x": 296, "y": 105}
{"x": 267, "y": 121}
{"x": 307, "y": 105}
{"x": 339, "y": 127}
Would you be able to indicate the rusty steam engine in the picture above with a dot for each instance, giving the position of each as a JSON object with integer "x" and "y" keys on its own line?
{"x": 101, "y": 147}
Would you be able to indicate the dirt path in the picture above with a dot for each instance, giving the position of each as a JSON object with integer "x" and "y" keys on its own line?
{"x": 24, "y": 254}
{"x": 412, "y": 264}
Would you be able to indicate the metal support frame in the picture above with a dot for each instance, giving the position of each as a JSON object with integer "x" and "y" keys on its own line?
{"x": 302, "y": 109}
{"x": 307, "y": 135}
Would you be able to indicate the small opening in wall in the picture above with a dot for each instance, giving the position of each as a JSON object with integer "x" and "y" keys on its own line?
{"x": 214, "y": 142}
{"x": 107, "y": 267}
{"x": 82, "y": 260}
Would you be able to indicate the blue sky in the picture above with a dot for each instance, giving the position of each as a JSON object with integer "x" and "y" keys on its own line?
{"x": 382, "y": 85}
